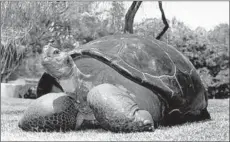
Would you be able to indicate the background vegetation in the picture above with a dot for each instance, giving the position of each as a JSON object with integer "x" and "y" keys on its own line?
{"x": 27, "y": 26}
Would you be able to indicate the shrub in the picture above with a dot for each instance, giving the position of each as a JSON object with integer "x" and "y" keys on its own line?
{"x": 12, "y": 55}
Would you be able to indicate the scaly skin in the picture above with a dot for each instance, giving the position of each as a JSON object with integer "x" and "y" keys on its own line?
{"x": 51, "y": 112}
{"x": 116, "y": 110}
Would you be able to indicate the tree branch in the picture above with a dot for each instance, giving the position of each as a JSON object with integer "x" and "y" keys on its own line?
{"x": 129, "y": 17}
{"x": 164, "y": 21}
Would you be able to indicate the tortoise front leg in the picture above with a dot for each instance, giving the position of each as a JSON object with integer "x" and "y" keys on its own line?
{"x": 116, "y": 110}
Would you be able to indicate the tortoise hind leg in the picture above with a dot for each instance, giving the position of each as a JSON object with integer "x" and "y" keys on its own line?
{"x": 116, "y": 110}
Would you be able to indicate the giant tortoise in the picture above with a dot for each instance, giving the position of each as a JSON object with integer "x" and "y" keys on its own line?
{"x": 122, "y": 83}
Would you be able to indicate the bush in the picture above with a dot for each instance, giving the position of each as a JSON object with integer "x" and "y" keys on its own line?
{"x": 12, "y": 55}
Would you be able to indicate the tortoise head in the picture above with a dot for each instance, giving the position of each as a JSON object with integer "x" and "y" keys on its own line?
{"x": 57, "y": 63}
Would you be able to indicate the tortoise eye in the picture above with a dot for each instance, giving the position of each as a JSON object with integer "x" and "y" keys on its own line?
{"x": 56, "y": 52}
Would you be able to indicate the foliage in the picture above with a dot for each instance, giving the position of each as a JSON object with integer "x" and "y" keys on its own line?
{"x": 11, "y": 57}
{"x": 220, "y": 34}
{"x": 117, "y": 16}
{"x": 152, "y": 25}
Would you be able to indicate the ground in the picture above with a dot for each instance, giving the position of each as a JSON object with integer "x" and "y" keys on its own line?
{"x": 216, "y": 129}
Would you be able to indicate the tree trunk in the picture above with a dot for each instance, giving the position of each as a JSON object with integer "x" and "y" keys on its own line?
{"x": 164, "y": 21}
{"x": 129, "y": 17}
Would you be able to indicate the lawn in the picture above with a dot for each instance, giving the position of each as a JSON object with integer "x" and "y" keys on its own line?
{"x": 216, "y": 129}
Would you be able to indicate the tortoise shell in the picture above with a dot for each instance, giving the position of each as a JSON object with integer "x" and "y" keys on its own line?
{"x": 150, "y": 63}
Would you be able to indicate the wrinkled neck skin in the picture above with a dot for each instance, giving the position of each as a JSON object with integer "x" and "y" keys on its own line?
{"x": 76, "y": 81}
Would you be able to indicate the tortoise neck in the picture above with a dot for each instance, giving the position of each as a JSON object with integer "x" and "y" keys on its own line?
{"x": 81, "y": 76}
{"x": 76, "y": 81}
{"x": 73, "y": 81}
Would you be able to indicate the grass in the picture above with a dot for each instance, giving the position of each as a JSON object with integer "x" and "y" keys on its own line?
{"x": 216, "y": 129}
